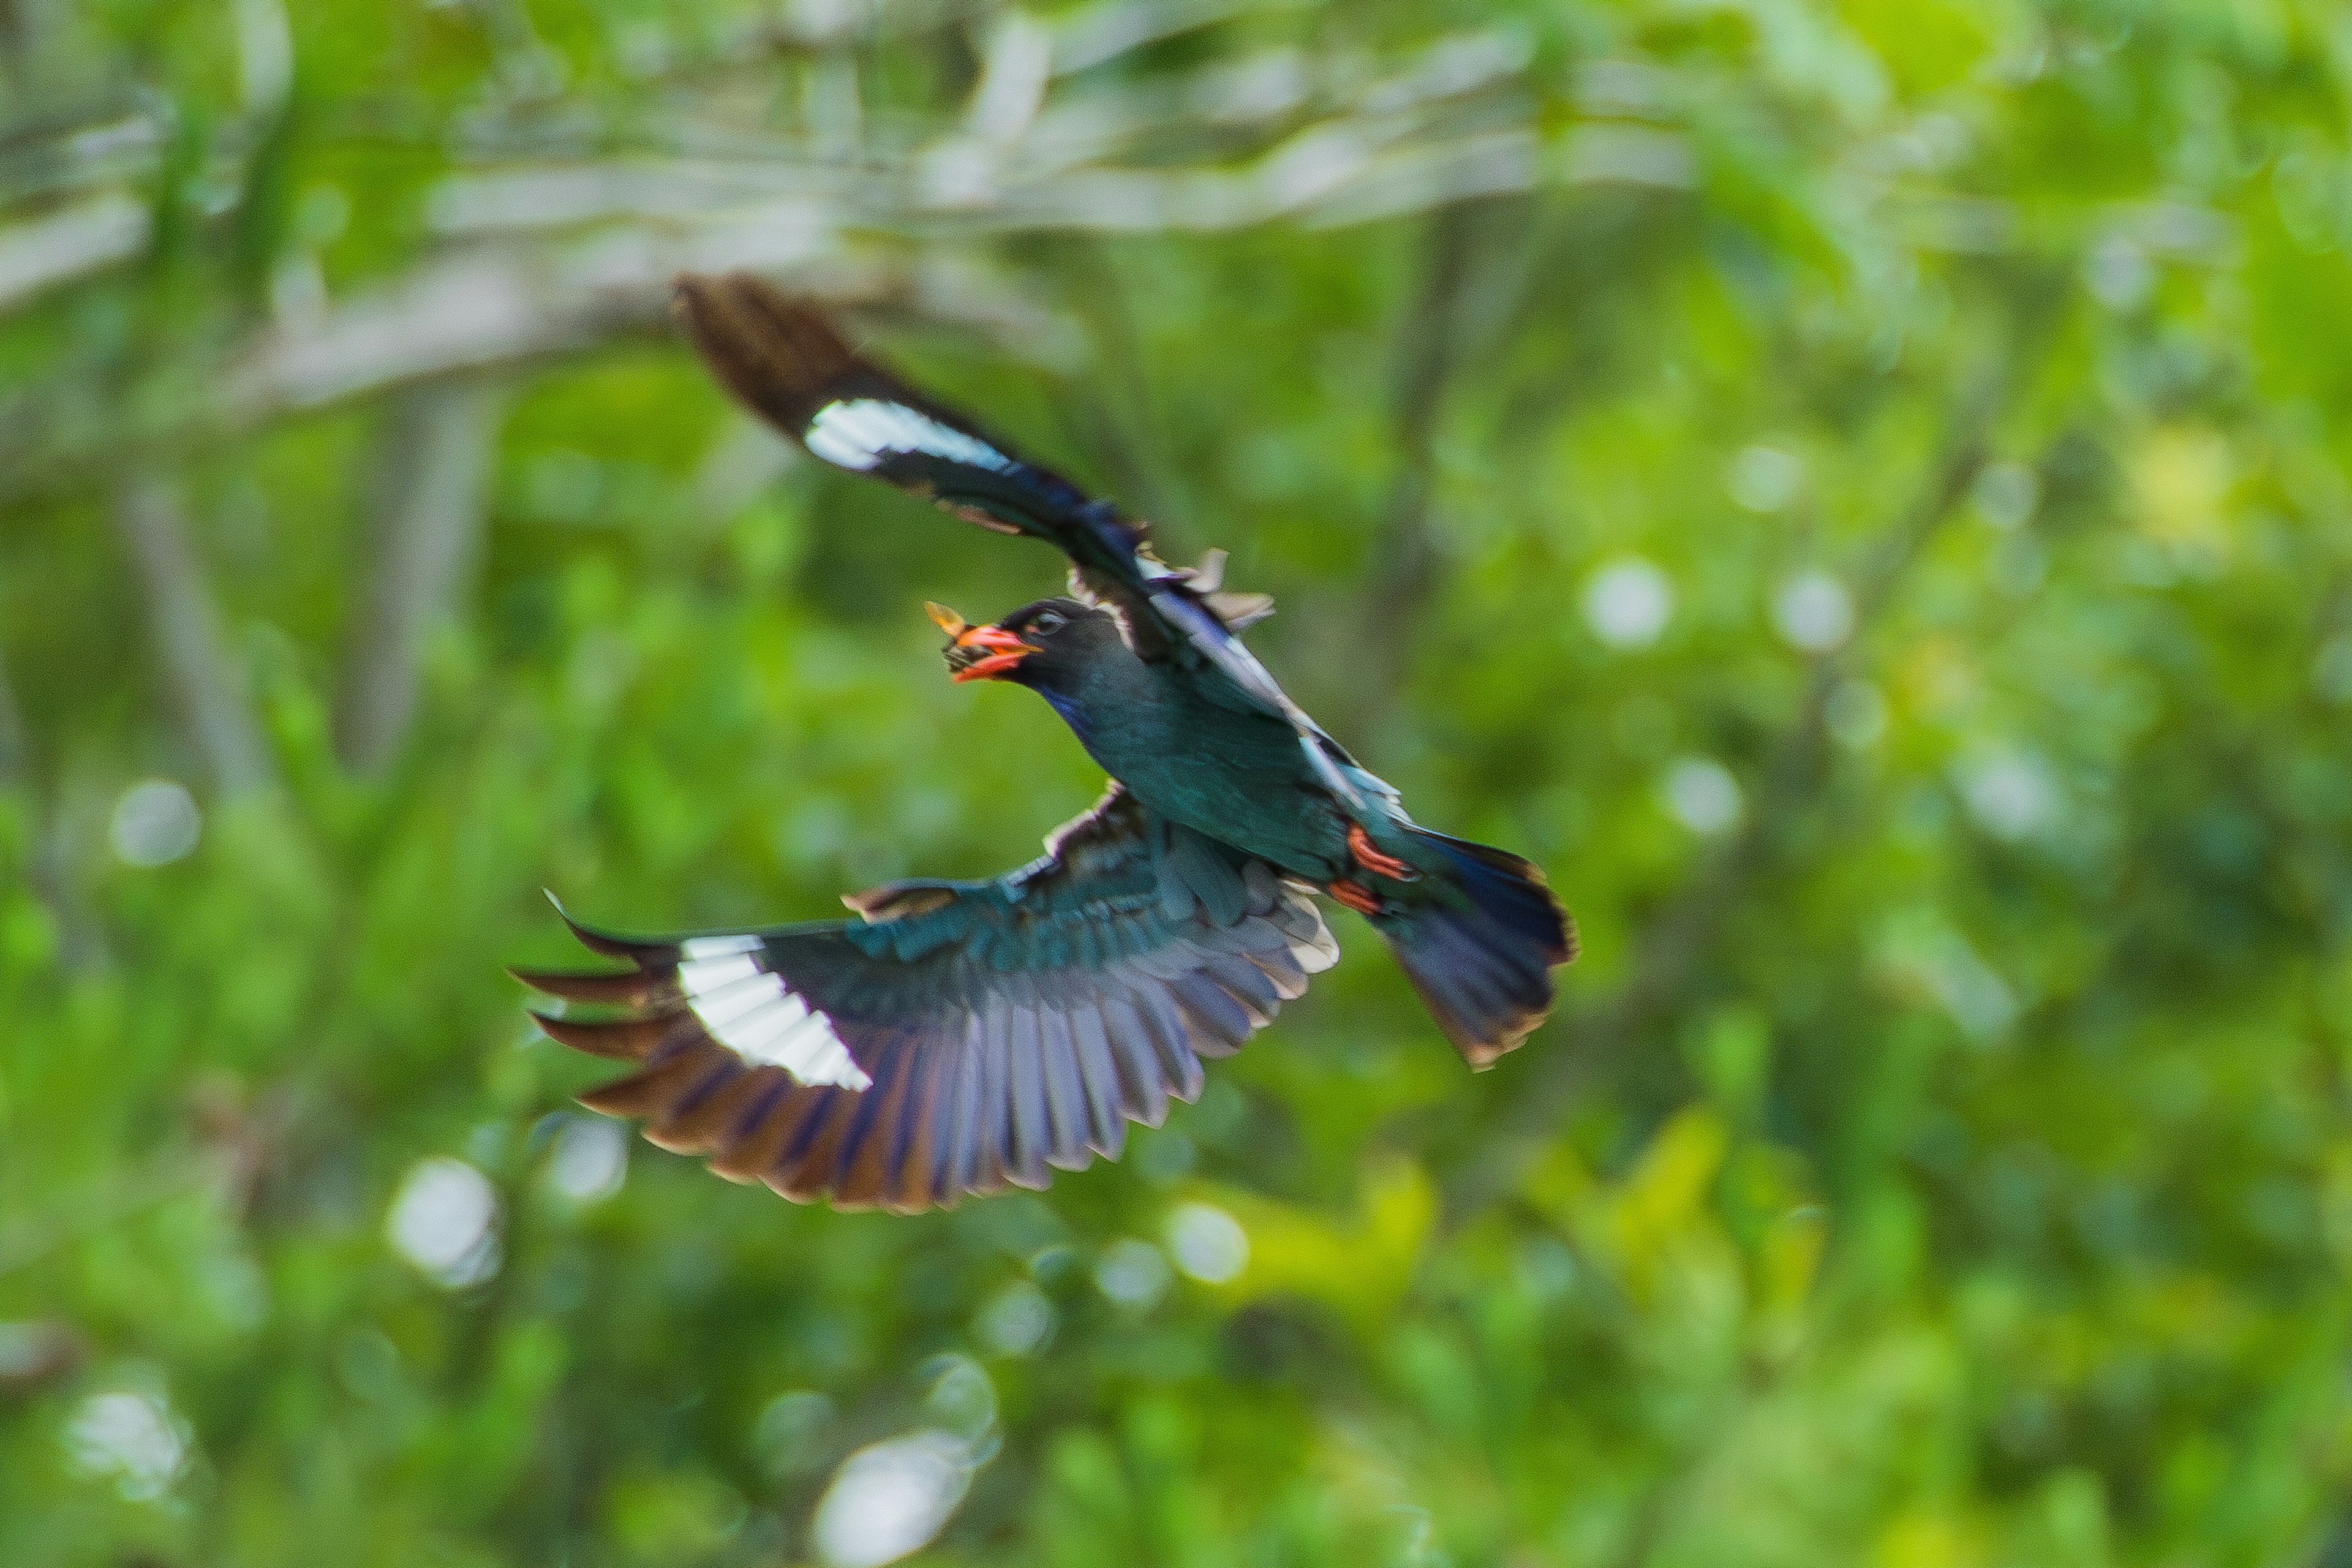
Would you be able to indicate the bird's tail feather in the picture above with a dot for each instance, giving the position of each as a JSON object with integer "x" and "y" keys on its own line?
{"x": 1481, "y": 965}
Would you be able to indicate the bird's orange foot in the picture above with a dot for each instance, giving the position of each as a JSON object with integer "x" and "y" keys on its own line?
{"x": 1359, "y": 845}
{"x": 1355, "y": 896}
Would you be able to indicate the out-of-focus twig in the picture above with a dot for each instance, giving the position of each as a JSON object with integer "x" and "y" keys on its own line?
{"x": 1104, "y": 31}
{"x": 185, "y": 622}
{"x": 1455, "y": 125}
{"x": 471, "y": 314}
{"x": 492, "y": 310}
{"x": 447, "y": 317}
{"x": 428, "y": 516}
{"x": 106, "y": 146}
{"x": 72, "y": 242}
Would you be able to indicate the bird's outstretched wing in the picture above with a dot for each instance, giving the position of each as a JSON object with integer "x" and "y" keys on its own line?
{"x": 783, "y": 360}
{"x": 958, "y": 1036}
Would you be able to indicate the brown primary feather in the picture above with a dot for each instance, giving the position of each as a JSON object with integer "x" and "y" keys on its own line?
{"x": 625, "y": 988}
{"x": 625, "y": 1039}
{"x": 775, "y": 354}
{"x": 649, "y": 1095}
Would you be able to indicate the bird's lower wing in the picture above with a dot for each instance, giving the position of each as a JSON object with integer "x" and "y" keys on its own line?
{"x": 961, "y": 1037}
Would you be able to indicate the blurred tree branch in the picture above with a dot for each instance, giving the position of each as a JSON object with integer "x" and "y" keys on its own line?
{"x": 426, "y": 516}
{"x": 185, "y": 620}
{"x": 559, "y": 257}
{"x": 72, "y": 242}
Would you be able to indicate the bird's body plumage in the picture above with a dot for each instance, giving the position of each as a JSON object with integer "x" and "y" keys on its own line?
{"x": 1191, "y": 748}
{"x": 957, "y": 1036}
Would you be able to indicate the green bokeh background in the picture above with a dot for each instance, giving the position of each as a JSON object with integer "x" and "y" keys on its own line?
{"x": 1939, "y": 1156}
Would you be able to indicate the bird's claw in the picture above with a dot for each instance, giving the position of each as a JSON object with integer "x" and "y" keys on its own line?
{"x": 1359, "y": 845}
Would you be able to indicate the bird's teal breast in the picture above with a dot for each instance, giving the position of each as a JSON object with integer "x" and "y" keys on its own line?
{"x": 1238, "y": 777}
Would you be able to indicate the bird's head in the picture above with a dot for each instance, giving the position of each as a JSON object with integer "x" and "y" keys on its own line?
{"x": 1039, "y": 645}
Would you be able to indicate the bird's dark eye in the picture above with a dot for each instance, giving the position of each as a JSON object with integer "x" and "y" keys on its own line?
{"x": 1046, "y": 621}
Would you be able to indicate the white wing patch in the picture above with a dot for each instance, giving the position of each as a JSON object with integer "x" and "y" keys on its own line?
{"x": 748, "y": 1010}
{"x": 859, "y": 433}
{"x": 1315, "y": 956}
{"x": 716, "y": 946}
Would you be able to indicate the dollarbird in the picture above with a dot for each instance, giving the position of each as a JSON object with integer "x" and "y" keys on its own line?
{"x": 956, "y": 1038}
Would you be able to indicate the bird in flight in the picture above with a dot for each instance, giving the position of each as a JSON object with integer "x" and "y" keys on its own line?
{"x": 961, "y": 1037}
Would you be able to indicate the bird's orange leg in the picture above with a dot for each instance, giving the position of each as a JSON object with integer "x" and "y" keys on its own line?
{"x": 1359, "y": 845}
{"x": 1355, "y": 895}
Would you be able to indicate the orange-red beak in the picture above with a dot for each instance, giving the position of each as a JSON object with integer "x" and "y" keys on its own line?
{"x": 977, "y": 653}
{"x": 983, "y": 653}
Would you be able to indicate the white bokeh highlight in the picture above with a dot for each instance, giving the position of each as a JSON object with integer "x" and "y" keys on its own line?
{"x": 1017, "y": 1320}
{"x": 1132, "y": 1273}
{"x": 1208, "y": 1243}
{"x": 1813, "y": 611}
{"x": 1701, "y": 794}
{"x": 445, "y": 1221}
{"x": 591, "y": 1158}
{"x": 133, "y": 1438}
{"x": 1627, "y": 603}
{"x": 2011, "y": 793}
{"x": 2005, "y": 494}
{"x": 155, "y": 822}
{"x": 1935, "y": 954}
{"x": 890, "y": 1499}
{"x": 1764, "y": 479}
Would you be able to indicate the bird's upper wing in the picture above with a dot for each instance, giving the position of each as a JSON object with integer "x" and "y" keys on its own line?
{"x": 782, "y": 359}
{"x": 960, "y": 1035}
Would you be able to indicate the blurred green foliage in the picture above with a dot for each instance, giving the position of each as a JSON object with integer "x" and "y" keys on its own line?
{"x": 1858, "y": 493}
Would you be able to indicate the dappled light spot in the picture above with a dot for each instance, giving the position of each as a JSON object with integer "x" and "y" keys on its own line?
{"x": 134, "y": 1437}
{"x": 1922, "y": 948}
{"x": 1813, "y": 611}
{"x": 2010, "y": 794}
{"x": 1132, "y": 1273}
{"x": 1701, "y": 795}
{"x": 155, "y": 823}
{"x": 962, "y": 1401}
{"x": 1627, "y": 603}
{"x": 2005, "y": 494}
{"x": 445, "y": 1222}
{"x": 890, "y": 1499}
{"x": 1208, "y": 1243}
{"x": 591, "y": 1158}
{"x": 1016, "y": 1320}
{"x": 1764, "y": 479}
